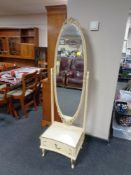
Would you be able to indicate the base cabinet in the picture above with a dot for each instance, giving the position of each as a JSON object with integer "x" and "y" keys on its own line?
{"x": 54, "y": 139}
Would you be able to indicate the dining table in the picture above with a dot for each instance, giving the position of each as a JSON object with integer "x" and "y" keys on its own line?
{"x": 13, "y": 77}
{"x": 13, "y": 80}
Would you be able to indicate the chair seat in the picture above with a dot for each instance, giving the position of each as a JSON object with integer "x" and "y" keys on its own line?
{"x": 2, "y": 86}
{"x": 28, "y": 87}
{"x": 18, "y": 92}
{"x": 2, "y": 96}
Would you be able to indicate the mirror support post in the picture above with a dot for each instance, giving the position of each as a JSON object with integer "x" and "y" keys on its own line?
{"x": 52, "y": 95}
{"x": 85, "y": 100}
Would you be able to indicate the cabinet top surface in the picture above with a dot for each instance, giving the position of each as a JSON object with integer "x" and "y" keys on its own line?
{"x": 66, "y": 134}
{"x": 14, "y": 28}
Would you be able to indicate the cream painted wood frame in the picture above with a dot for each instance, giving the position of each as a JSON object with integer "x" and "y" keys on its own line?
{"x": 64, "y": 138}
{"x": 75, "y": 23}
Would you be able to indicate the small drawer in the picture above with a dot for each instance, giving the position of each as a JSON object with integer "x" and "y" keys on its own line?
{"x": 56, "y": 146}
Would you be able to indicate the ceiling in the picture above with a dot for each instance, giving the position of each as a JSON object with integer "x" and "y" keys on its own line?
{"x": 24, "y": 7}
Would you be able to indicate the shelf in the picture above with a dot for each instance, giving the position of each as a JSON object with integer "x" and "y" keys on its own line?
{"x": 27, "y": 36}
{"x": 15, "y": 56}
{"x": 14, "y": 36}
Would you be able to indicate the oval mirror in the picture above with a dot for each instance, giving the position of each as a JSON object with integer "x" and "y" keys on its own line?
{"x": 69, "y": 70}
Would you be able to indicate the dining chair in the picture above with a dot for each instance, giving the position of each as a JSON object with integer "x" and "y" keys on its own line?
{"x": 4, "y": 100}
{"x": 9, "y": 66}
{"x": 26, "y": 93}
{"x": 40, "y": 76}
{"x": 3, "y": 94}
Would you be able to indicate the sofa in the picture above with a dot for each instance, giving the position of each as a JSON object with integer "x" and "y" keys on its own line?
{"x": 71, "y": 73}
{"x": 64, "y": 67}
{"x": 74, "y": 77}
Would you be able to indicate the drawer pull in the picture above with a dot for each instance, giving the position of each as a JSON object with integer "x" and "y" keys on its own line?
{"x": 57, "y": 147}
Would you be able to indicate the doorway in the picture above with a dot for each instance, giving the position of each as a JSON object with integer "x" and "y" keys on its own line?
{"x": 121, "y": 115}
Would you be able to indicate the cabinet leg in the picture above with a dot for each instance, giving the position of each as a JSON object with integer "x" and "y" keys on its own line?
{"x": 43, "y": 152}
{"x": 72, "y": 163}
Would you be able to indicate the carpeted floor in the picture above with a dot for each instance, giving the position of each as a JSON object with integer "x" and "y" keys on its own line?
{"x": 20, "y": 153}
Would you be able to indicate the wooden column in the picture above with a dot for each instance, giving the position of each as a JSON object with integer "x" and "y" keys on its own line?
{"x": 56, "y": 16}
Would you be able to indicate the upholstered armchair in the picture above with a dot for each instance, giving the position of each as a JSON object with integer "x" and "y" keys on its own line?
{"x": 75, "y": 75}
{"x": 63, "y": 69}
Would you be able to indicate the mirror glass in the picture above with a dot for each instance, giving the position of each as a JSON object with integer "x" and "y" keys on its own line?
{"x": 69, "y": 69}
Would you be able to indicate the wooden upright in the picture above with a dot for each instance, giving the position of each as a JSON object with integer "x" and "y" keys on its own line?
{"x": 56, "y": 16}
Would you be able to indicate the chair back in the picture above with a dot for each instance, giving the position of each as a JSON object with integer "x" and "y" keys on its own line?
{"x": 41, "y": 75}
{"x": 64, "y": 64}
{"x": 3, "y": 93}
{"x": 29, "y": 81}
{"x": 77, "y": 64}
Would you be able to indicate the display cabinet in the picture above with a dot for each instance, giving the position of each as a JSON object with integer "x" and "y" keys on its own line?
{"x": 18, "y": 42}
{"x": 41, "y": 57}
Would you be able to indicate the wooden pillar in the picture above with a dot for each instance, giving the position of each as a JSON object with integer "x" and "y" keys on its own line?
{"x": 56, "y": 16}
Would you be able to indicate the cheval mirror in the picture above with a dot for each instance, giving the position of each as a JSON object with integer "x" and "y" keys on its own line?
{"x": 69, "y": 85}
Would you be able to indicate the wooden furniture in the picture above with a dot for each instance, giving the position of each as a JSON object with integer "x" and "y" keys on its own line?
{"x": 29, "y": 83}
{"x": 7, "y": 66}
{"x": 66, "y": 137}
{"x": 4, "y": 98}
{"x": 41, "y": 76}
{"x": 41, "y": 57}
{"x": 14, "y": 77}
{"x": 18, "y": 44}
{"x": 56, "y": 16}
{"x": 3, "y": 94}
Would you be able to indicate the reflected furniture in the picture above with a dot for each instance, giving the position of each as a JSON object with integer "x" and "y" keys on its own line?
{"x": 63, "y": 70}
{"x": 70, "y": 73}
{"x": 75, "y": 74}
{"x": 65, "y": 137}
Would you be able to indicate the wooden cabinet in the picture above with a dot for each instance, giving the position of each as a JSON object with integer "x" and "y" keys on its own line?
{"x": 29, "y": 35}
{"x": 41, "y": 57}
{"x": 56, "y": 16}
{"x": 18, "y": 42}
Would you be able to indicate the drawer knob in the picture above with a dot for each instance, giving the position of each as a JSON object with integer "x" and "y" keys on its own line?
{"x": 57, "y": 147}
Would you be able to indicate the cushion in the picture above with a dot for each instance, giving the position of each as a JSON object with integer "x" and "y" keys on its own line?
{"x": 2, "y": 86}
{"x": 2, "y": 96}
{"x": 18, "y": 92}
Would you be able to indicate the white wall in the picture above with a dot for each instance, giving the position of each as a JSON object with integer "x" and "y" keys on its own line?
{"x": 36, "y": 20}
{"x": 104, "y": 53}
{"x": 129, "y": 39}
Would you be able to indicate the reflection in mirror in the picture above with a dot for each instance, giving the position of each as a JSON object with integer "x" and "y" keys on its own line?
{"x": 69, "y": 70}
